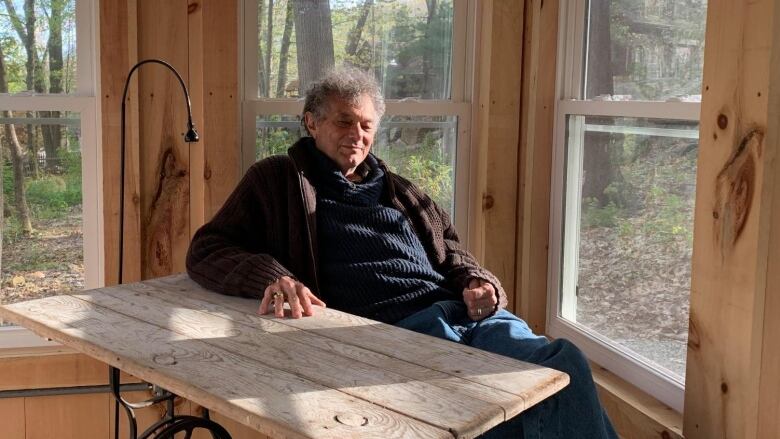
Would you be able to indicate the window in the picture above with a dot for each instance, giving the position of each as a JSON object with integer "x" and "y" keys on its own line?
{"x": 418, "y": 51}
{"x": 626, "y": 144}
{"x": 48, "y": 131}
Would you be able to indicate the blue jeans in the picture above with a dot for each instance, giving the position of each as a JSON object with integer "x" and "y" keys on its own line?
{"x": 574, "y": 412}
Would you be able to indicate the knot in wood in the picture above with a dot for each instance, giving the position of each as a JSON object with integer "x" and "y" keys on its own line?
{"x": 351, "y": 419}
{"x": 723, "y": 121}
{"x": 487, "y": 202}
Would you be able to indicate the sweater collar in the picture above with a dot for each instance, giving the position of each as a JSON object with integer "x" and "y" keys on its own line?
{"x": 300, "y": 153}
{"x": 331, "y": 183}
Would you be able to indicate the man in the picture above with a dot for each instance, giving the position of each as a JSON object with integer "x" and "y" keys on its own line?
{"x": 328, "y": 223}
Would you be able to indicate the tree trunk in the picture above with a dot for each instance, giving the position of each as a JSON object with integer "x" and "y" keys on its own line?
{"x": 314, "y": 41}
{"x": 269, "y": 41}
{"x": 284, "y": 50}
{"x": 17, "y": 156}
{"x": 428, "y": 48}
{"x": 603, "y": 151}
{"x": 353, "y": 39}
{"x": 52, "y": 134}
{"x": 262, "y": 86}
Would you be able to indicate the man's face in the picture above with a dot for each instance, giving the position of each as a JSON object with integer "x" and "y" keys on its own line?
{"x": 346, "y": 132}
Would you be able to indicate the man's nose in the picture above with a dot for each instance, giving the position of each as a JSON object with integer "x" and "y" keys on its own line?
{"x": 355, "y": 132}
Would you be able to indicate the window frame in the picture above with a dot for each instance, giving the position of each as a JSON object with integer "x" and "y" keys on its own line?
{"x": 570, "y": 77}
{"x": 460, "y": 104}
{"x": 84, "y": 102}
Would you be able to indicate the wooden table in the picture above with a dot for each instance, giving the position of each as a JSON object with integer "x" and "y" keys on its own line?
{"x": 333, "y": 375}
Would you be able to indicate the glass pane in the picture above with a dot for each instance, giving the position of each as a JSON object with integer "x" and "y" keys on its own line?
{"x": 51, "y": 46}
{"x": 630, "y": 215}
{"x": 419, "y": 148}
{"x": 42, "y": 247}
{"x": 407, "y": 44}
{"x": 645, "y": 50}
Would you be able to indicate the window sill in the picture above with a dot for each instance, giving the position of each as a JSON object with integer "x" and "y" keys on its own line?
{"x": 633, "y": 412}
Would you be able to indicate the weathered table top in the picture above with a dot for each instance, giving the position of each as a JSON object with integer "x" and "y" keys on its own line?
{"x": 333, "y": 375}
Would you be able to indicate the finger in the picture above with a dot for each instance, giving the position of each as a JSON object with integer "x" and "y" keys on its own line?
{"x": 295, "y": 305}
{"x": 303, "y": 295}
{"x": 279, "y": 304}
{"x": 471, "y": 295}
{"x": 263, "y": 309}
{"x": 266, "y": 300}
{"x": 316, "y": 300}
{"x": 288, "y": 288}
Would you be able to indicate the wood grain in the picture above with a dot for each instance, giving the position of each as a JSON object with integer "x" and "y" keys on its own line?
{"x": 12, "y": 414}
{"x": 457, "y": 412}
{"x": 67, "y": 416}
{"x": 732, "y": 222}
{"x": 536, "y": 146}
{"x": 458, "y": 360}
{"x": 271, "y": 401}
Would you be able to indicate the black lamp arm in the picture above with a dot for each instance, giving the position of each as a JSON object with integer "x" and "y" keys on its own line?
{"x": 190, "y": 136}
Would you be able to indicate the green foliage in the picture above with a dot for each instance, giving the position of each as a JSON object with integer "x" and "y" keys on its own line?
{"x": 427, "y": 166}
{"x": 595, "y": 216}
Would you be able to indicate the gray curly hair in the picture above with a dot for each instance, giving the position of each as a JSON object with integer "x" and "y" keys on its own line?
{"x": 348, "y": 83}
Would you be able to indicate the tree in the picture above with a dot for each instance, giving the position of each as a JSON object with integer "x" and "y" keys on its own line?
{"x": 355, "y": 34}
{"x": 313, "y": 40}
{"x": 26, "y": 31}
{"x": 52, "y": 134}
{"x": 284, "y": 50}
{"x": 17, "y": 157}
{"x": 269, "y": 39}
{"x": 604, "y": 150}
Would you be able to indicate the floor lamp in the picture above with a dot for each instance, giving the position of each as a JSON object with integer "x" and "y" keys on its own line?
{"x": 170, "y": 424}
{"x": 190, "y": 136}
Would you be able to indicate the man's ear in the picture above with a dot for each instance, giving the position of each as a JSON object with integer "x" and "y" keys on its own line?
{"x": 311, "y": 124}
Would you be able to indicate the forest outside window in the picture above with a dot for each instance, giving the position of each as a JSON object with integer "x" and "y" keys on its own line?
{"x": 48, "y": 150}
{"x": 629, "y": 86}
{"x": 416, "y": 49}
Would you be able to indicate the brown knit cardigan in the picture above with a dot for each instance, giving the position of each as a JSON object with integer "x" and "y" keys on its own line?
{"x": 267, "y": 229}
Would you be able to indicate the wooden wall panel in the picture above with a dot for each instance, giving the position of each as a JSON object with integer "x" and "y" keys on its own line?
{"x": 733, "y": 301}
{"x": 164, "y": 156}
{"x": 536, "y": 146}
{"x": 171, "y": 187}
{"x": 66, "y": 417}
{"x": 221, "y": 169}
{"x": 12, "y": 415}
{"x": 493, "y": 231}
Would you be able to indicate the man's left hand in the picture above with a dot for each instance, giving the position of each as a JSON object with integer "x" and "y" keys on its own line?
{"x": 480, "y": 298}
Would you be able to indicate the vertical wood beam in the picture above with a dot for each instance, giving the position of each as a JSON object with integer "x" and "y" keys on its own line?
{"x": 535, "y": 164}
{"x": 221, "y": 169}
{"x": 498, "y": 121}
{"x": 731, "y": 295}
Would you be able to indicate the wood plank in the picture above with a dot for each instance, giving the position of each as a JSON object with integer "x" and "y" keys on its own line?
{"x": 536, "y": 141}
{"x": 769, "y": 396}
{"x": 67, "y": 370}
{"x": 633, "y": 413}
{"x": 499, "y": 122}
{"x": 236, "y": 430}
{"x": 164, "y": 172}
{"x": 509, "y": 402}
{"x": 271, "y": 401}
{"x": 472, "y": 364}
{"x": 195, "y": 60}
{"x": 12, "y": 414}
{"x": 116, "y": 58}
{"x": 221, "y": 142}
{"x": 732, "y": 222}
{"x": 457, "y": 412}
{"x": 66, "y": 416}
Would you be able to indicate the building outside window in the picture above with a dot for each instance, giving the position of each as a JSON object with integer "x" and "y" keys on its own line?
{"x": 49, "y": 152}
{"x": 626, "y": 143}
{"x": 417, "y": 50}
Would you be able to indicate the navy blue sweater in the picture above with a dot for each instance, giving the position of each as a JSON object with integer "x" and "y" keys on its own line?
{"x": 372, "y": 263}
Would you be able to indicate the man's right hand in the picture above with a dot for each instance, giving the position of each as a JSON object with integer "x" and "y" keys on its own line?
{"x": 289, "y": 290}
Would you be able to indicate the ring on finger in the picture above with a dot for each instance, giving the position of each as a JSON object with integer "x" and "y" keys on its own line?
{"x": 278, "y": 295}
{"x": 479, "y": 311}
